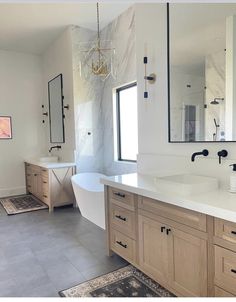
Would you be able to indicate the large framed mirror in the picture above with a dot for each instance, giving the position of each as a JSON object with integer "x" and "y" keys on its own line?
{"x": 202, "y": 72}
{"x": 56, "y": 109}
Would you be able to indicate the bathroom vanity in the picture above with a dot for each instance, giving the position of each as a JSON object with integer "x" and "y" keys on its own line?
{"x": 50, "y": 182}
{"x": 185, "y": 243}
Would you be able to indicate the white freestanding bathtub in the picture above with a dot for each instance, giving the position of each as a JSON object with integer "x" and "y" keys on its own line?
{"x": 89, "y": 195}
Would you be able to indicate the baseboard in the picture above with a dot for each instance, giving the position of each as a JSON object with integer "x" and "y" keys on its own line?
{"x": 12, "y": 191}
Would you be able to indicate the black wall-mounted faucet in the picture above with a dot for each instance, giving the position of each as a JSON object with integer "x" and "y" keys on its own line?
{"x": 54, "y": 147}
{"x": 204, "y": 152}
{"x": 222, "y": 153}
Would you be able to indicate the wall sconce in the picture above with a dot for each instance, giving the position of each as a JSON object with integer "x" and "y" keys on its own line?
{"x": 151, "y": 79}
{"x": 44, "y": 114}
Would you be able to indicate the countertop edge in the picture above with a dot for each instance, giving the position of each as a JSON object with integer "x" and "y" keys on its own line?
{"x": 180, "y": 201}
{"x": 50, "y": 165}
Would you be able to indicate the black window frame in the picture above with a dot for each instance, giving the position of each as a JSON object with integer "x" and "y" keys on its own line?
{"x": 118, "y": 90}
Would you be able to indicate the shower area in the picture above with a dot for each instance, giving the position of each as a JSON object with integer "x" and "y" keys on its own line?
{"x": 214, "y": 114}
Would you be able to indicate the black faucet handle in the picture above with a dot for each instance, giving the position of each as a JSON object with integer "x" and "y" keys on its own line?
{"x": 222, "y": 153}
{"x": 205, "y": 152}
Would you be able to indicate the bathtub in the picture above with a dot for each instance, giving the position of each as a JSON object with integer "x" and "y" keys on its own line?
{"x": 89, "y": 195}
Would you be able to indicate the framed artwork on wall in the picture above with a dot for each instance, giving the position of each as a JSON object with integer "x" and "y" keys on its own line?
{"x": 5, "y": 127}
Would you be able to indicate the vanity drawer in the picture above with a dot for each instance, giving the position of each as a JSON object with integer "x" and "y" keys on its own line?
{"x": 45, "y": 188}
{"x": 45, "y": 182}
{"x": 123, "y": 220}
{"x": 29, "y": 187}
{"x": 225, "y": 230}
{"x": 219, "y": 292}
{"x": 191, "y": 218}
{"x": 123, "y": 245}
{"x": 121, "y": 198}
{"x": 225, "y": 269}
{"x": 44, "y": 173}
{"x": 45, "y": 198}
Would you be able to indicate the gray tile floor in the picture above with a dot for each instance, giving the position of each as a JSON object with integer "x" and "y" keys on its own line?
{"x": 42, "y": 253}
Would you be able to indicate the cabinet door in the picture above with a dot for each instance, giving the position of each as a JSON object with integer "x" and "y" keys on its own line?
{"x": 188, "y": 264}
{"x": 153, "y": 248}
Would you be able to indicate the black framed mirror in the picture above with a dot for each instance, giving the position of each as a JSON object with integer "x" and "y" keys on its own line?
{"x": 201, "y": 72}
{"x": 56, "y": 109}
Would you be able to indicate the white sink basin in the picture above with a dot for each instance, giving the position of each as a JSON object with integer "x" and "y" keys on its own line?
{"x": 48, "y": 159}
{"x": 186, "y": 184}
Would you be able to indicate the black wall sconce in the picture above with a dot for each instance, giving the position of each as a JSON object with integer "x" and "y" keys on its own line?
{"x": 151, "y": 79}
{"x": 44, "y": 114}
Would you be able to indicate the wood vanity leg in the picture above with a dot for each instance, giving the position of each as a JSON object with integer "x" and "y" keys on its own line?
{"x": 109, "y": 251}
{"x": 51, "y": 209}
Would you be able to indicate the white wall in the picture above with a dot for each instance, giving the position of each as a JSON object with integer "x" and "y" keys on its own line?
{"x": 182, "y": 95}
{"x": 21, "y": 98}
{"x": 58, "y": 59}
{"x": 155, "y": 153}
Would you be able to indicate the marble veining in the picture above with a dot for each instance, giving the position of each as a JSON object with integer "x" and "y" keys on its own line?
{"x": 94, "y": 97}
{"x": 215, "y": 88}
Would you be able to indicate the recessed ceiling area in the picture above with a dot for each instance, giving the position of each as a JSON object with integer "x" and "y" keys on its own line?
{"x": 31, "y": 27}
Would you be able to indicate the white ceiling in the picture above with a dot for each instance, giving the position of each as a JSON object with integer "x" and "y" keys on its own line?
{"x": 197, "y": 30}
{"x": 31, "y": 27}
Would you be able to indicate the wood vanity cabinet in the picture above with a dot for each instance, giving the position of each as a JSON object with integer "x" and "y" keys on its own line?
{"x": 174, "y": 254}
{"x": 51, "y": 186}
{"x": 225, "y": 257}
{"x": 189, "y": 253}
{"x": 33, "y": 180}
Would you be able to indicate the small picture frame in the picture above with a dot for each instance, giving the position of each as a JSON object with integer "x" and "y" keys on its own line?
{"x": 5, "y": 127}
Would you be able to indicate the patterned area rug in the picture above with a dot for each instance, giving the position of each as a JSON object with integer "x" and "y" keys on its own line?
{"x": 22, "y": 204}
{"x": 125, "y": 282}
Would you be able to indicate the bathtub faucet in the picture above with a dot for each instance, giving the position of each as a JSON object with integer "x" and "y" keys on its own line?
{"x": 54, "y": 147}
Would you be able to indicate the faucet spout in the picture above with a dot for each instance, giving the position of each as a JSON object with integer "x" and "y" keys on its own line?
{"x": 54, "y": 147}
{"x": 204, "y": 152}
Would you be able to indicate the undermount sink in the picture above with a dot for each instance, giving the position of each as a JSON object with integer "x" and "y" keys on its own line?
{"x": 186, "y": 184}
{"x": 48, "y": 159}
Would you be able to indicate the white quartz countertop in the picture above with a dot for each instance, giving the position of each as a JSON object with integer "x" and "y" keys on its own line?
{"x": 50, "y": 165}
{"x": 218, "y": 203}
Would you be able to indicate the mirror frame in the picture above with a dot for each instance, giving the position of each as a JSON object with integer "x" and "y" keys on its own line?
{"x": 62, "y": 109}
{"x": 168, "y": 88}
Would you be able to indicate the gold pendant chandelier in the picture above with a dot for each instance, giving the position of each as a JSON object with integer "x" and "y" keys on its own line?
{"x": 97, "y": 58}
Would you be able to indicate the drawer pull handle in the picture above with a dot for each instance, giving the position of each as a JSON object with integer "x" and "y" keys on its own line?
{"x": 35, "y": 174}
{"x": 162, "y": 229}
{"x": 233, "y": 232}
{"x": 119, "y": 194}
{"x": 120, "y": 217}
{"x": 122, "y": 244}
{"x": 45, "y": 196}
{"x": 29, "y": 186}
{"x": 28, "y": 174}
{"x": 168, "y": 231}
{"x": 44, "y": 170}
{"x": 233, "y": 271}
{"x": 44, "y": 182}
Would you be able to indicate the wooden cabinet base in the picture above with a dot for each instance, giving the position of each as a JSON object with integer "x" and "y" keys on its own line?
{"x": 190, "y": 254}
{"x": 51, "y": 186}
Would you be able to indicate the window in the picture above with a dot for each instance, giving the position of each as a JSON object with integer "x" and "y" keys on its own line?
{"x": 127, "y": 122}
